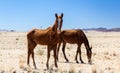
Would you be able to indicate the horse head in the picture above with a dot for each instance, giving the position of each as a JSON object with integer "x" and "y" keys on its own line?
{"x": 57, "y": 26}
{"x": 58, "y": 22}
{"x": 89, "y": 54}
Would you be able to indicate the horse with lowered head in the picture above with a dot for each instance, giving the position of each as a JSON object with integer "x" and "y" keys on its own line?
{"x": 74, "y": 37}
{"x": 47, "y": 37}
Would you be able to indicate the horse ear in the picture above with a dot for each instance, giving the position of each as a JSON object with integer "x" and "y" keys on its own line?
{"x": 56, "y": 15}
{"x": 62, "y": 15}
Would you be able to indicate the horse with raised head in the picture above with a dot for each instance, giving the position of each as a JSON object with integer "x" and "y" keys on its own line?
{"x": 47, "y": 37}
{"x": 74, "y": 37}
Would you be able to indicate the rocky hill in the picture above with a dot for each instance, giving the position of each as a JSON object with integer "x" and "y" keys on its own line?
{"x": 104, "y": 29}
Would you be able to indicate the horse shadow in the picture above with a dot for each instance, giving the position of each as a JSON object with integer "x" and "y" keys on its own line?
{"x": 76, "y": 63}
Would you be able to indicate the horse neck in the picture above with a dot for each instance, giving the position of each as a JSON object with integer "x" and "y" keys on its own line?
{"x": 86, "y": 42}
{"x": 55, "y": 26}
{"x": 60, "y": 26}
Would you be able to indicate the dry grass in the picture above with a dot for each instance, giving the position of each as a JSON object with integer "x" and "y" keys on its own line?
{"x": 21, "y": 62}
{"x": 39, "y": 52}
{"x": 17, "y": 39}
{"x": 105, "y": 58}
{"x": 72, "y": 69}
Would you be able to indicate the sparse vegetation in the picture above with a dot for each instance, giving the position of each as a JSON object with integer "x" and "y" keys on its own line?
{"x": 71, "y": 70}
{"x": 39, "y": 52}
{"x": 68, "y": 48}
{"x": 17, "y": 39}
{"x": 114, "y": 54}
{"x": 106, "y": 53}
{"x": 105, "y": 59}
{"x": 94, "y": 69}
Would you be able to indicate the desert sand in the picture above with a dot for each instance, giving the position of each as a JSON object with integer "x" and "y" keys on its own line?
{"x": 105, "y": 55}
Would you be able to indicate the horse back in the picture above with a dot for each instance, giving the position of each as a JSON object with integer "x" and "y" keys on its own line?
{"x": 70, "y": 36}
{"x": 42, "y": 37}
{"x": 38, "y": 36}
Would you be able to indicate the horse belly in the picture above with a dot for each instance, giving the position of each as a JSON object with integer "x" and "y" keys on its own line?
{"x": 70, "y": 40}
{"x": 42, "y": 40}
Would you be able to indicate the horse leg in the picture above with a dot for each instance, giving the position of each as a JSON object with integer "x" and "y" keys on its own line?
{"x": 32, "y": 52}
{"x": 55, "y": 55}
{"x": 63, "y": 49}
{"x": 80, "y": 55}
{"x": 28, "y": 58}
{"x": 33, "y": 60}
{"x": 58, "y": 51}
{"x": 77, "y": 55}
{"x": 31, "y": 46}
{"x": 48, "y": 56}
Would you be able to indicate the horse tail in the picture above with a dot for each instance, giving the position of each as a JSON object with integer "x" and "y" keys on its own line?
{"x": 30, "y": 37}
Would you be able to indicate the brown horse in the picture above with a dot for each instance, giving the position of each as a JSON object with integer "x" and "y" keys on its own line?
{"x": 47, "y": 37}
{"x": 74, "y": 37}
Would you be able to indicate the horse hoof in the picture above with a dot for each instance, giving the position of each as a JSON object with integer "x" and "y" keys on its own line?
{"x": 82, "y": 62}
{"x": 90, "y": 63}
{"x": 67, "y": 60}
{"x": 77, "y": 62}
{"x": 56, "y": 66}
{"x": 47, "y": 66}
{"x": 57, "y": 60}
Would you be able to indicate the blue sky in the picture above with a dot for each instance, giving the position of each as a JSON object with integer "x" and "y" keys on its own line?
{"x": 24, "y": 15}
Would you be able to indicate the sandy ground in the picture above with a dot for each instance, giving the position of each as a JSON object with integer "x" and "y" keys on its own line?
{"x": 105, "y": 58}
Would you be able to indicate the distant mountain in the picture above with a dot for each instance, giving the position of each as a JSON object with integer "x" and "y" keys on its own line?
{"x": 114, "y": 29}
{"x": 5, "y": 30}
{"x": 104, "y": 29}
{"x": 88, "y": 29}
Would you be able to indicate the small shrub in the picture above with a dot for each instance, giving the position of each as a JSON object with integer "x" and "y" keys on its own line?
{"x": 68, "y": 47}
{"x": 114, "y": 54}
{"x": 39, "y": 52}
{"x": 94, "y": 69}
{"x": 71, "y": 69}
{"x": 106, "y": 53}
{"x": 17, "y": 39}
{"x": 94, "y": 54}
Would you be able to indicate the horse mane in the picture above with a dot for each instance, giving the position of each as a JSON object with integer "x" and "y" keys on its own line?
{"x": 86, "y": 42}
